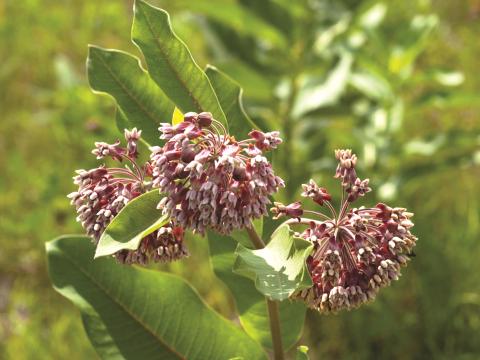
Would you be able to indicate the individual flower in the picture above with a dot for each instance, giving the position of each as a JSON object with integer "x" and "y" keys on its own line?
{"x": 316, "y": 193}
{"x": 266, "y": 141}
{"x": 356, "y": 251}
{"x": 103, "y": 192}
{"x": 293, "y": 210}
{"x": 211, "y": 180}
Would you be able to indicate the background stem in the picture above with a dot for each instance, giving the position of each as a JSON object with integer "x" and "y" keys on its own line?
{"x": 273, "y": 311}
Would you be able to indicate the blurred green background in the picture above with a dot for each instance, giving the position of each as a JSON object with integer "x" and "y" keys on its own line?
{"x": 397, "y": 81}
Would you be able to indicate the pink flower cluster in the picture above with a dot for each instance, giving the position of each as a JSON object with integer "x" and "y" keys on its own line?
{"x": 211, "y": 180}
{"x": 103, "y": 192}
{"x": 356, "y": 251}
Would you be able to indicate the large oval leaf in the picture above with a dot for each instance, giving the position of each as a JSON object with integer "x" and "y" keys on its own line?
{"x": 250, "y": 304}
{"x": 120, "y": 75}
{"x": 139, "y": 218}
{"x": 170, "y": 63}
{"x": 149, "y": 314}
{"x": 279, "y": 269}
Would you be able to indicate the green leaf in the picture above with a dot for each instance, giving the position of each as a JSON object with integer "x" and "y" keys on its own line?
{"x": 272, "y": 13}
{"x": 230, "y": 96}
{"x": 316, "y": 94}
{"x": 372, "y": 17}
{"x": 279, "y": 269}
{"x": 302, "y": 353}
{"x": 372, "y": 85}
{"x": 120, "y": 75}
{"x": 256, "y": 85}
{"x": 149, "y": 314}
{"x": 250, "y": 304}
{"x": 170, "y": 63}
{"x": 238, "y": 18}
{"x": 121, "y": 120}
{"x": 139, "y": 218}
{"x": 99, "y": 336}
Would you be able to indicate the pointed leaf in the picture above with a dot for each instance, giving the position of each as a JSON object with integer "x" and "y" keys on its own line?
{"x": 316, "y": 94}
{"x": 250, "y": 304}
{"x": 99, "y": 336}
{"x": 170, "y": 63}
{"x": 121, "y": 120}
{"x": 120, "y": 75}
{"x": 139, "y": 218}
{"x": 230, "y": 96}
{"x": 149, "y": 314}
{"x": 240, "y": 19}
{"x": 279, "y": 269}
{"x": 272, "y": 13}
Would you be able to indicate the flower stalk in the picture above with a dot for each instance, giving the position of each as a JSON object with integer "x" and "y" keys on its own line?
{"x": 272, "y": 306}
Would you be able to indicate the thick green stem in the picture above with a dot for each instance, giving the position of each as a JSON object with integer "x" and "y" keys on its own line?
{"x": 274, "y": 316}
{"x": 273, "y": 312}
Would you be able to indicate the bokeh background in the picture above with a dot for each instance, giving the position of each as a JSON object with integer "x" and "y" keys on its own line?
{"x": 397, "y": 81}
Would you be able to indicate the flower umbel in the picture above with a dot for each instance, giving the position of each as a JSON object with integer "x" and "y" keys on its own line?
{"x": 103, "y": 192}
{"x": 213, "y": 181}
{"x": 356, "y": 251}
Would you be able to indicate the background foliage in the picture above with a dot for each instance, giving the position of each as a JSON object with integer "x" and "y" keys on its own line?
{"x": 396, "y": 81}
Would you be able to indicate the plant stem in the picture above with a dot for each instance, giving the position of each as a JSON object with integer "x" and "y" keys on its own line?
{"x": 254, "y": 238}
{"x": 274, "y": 317}
{"x": 272, "y": 306}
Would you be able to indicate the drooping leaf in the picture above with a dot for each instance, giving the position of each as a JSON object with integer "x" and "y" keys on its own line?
{"x": 373, "y": 16}
{"x": 139, "y": 218}
{"x": 230, "y": 96}
{"x": 316, "y": 94}
{"x": 402, "y": 58}
{"x": 148, "y": 314}
{"x": 279, "y": 269}
{"x": 272, "y": 13}
{"x": 248, "y": 49}
{"x": 372, "y": 85}
{"x": 240, "y": 19}
{"x": 250, "y": 304}
{"x": 170, "y": 63}
{"x": 120, "y": 75}
{"x": 99, "y": 336}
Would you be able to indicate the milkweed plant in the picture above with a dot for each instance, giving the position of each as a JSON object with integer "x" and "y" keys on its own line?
{"x": 207, "y": 170}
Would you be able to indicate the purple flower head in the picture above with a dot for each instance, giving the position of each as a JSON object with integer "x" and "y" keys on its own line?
{"x": 212, "y": 181}
{"x": 356, "y": 251}
{"x": 103, "y": 192}
{"x": 346, "y": 166}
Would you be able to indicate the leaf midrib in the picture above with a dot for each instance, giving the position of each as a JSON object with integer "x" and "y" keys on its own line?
{"x": 167, "y": 59}
{"x": 123, "y": 307}
{"x": 125, "y": 90}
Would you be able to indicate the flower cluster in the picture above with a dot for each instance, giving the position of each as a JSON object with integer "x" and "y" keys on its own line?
{"x": 357, "y": 251}
{"x": 213, "y": 181}
{"x": 103, "y": 192}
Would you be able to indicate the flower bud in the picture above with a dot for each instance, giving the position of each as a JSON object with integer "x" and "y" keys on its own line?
{"x": 204, "y": 119}
{"x": 190, "y": 117}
